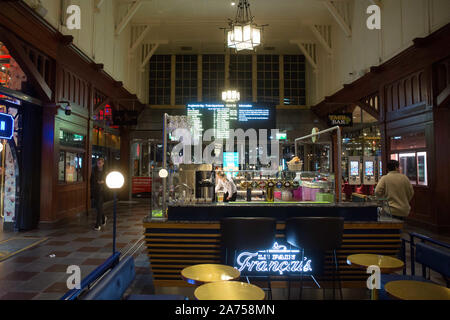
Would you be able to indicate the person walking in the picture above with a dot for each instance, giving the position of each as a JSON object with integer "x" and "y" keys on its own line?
{"x": 398, "y": 190}
{"x": 97, "y": 192}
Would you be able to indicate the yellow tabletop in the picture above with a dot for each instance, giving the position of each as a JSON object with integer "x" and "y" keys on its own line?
{"x": 229, "y": 290}
{"x": 385, "y": 263}
{"x": 203, "y": 273}
{"x": 416, "y": 290}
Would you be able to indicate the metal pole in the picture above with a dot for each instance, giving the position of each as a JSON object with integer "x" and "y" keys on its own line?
{"x": 114, "y": 221}
{"x": 317, "y": 133}
{"x": 339, "y": 163}
{"x": 164, "y": 165}
{"x": 337, "y": 170}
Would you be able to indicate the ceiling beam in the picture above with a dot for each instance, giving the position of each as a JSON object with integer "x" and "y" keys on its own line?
{"x": 98, "y": 3}
{"x": 338, "y": 17}
{"x": 325, "y": 44}
{"x": 369, "y": 109}
{"x": 131, "y": 12}
{"x": 307, "y": 53}
{"x": 139, "y": 40}
{"x": 148, "y": 56}
{"x": 376, "y": 2}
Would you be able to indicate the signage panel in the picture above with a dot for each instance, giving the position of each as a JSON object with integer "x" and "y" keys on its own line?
{"x": 340, "y": 119}
{"x": 6, "y": 126}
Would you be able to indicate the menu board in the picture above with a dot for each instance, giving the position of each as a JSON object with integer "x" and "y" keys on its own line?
{"x": 223, "y": 117}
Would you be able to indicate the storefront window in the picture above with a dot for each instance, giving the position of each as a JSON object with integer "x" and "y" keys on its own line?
{"x": 68, "y": 139}
{"x": 414, "y": 166}
{"x": 408, "y": 141}
{"x": 70, "y": 167}
{"x": 408, "y": 150}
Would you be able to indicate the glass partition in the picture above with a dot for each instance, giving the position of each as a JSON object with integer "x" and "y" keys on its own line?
{"x": 192, "y": 187}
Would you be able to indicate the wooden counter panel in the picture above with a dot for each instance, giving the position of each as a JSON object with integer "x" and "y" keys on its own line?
{"x": 172, "y": 246}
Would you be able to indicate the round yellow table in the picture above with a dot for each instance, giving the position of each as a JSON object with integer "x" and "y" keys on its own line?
{"x": 204, "y": 273}
{"x": 416, "y": 290}
{"x": 385, "y": 263}
{"x": 229, "y": 290}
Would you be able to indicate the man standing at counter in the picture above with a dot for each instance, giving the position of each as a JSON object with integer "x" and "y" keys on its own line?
{"x": 397, "y": 188}
{"x": 223, "y": 182}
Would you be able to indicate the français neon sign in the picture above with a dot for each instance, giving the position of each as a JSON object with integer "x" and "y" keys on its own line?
{"x": 278, "y": 259}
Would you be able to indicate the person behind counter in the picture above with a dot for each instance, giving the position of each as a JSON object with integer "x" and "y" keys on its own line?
{"x": 397, "y": 188}
{"x": 223, "y": 182}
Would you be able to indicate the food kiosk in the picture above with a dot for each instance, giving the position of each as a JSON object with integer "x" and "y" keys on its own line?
{"x": 188, "y": 231}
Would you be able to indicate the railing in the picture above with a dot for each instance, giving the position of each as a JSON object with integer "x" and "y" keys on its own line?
{"x": 422, "y": 238}
{"x": 93, "y": 277}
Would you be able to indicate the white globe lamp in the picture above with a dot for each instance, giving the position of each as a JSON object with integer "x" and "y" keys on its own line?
{"x": 115, "y": 180}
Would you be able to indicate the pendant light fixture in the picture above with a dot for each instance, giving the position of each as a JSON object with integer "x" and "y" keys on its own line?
{"x": 243, "y": 33}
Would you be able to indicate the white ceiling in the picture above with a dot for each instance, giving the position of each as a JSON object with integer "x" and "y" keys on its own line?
{"x": 197, "y": 23}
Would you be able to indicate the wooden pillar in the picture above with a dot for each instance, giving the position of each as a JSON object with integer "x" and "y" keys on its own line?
{"x": 439, "y": 171}
{"x": 125, "y": 162}
{"x": 49, "y": 170}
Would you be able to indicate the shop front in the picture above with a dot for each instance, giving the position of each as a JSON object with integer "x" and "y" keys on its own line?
{"x": 20, "y": 129}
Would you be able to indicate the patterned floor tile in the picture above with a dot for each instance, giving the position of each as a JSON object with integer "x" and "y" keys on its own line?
{"x": 88, "y": 249}
{"x": 18, "y": 276}
{"x": 19, "y": 296}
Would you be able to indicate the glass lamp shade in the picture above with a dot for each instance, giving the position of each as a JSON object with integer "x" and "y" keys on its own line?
{"x": 231, "y": 96}
{"x": 115, "y": 180}
{"x": 244, "y": 37}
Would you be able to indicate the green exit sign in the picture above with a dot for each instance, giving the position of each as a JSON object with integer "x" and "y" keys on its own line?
{"x": 281, "y": 136}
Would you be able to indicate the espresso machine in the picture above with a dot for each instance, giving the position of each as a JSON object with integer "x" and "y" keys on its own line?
{"x": 205, "y": 183}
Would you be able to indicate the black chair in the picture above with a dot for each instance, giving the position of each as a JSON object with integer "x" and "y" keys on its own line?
{"x": 250, "y": 234}
{"x": 317, "y": 234}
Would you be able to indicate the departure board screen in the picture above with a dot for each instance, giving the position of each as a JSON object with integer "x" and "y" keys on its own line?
{"x": 223, "y": 117}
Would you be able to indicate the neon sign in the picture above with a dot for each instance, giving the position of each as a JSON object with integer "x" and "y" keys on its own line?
{"x": 278, "y": 259}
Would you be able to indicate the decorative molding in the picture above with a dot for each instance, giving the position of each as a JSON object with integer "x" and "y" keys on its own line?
{"x": 323, "y": 35}
{"x": 369, "y": 109}
{"x": 309, "y": 50}
{"x": 140, "y": 32}
{"x": 98, "y": 4}
{"x": 338, "y": 17}
{"x": 125, "y": 20}
{"x": 148, "y": 51}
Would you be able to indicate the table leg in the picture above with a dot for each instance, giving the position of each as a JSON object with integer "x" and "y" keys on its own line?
{"x": 374, "y": 294}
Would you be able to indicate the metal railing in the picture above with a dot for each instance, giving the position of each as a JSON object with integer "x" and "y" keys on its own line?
{"x": 95, "y": 276}
{"x": 412, "y": 237}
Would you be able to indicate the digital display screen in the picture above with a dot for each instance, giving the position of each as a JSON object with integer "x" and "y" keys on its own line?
{"x": 368, "y": 168}
{"x": 223, "y": 117}
{"x": 354, "y": 168}
{"x": 231, "y": 163}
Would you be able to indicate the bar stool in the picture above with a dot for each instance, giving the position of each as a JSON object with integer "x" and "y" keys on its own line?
{"x": 247, "y": 233}
{"x": 318, "y": 234}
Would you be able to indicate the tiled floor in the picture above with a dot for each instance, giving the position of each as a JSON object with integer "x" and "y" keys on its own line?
{"x": 40, "y": 272}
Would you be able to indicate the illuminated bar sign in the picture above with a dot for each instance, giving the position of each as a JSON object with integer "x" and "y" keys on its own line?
{"x": 6, "y": 126}
{"x": 277, "y": 260}
{"x": 340, "y": 119}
